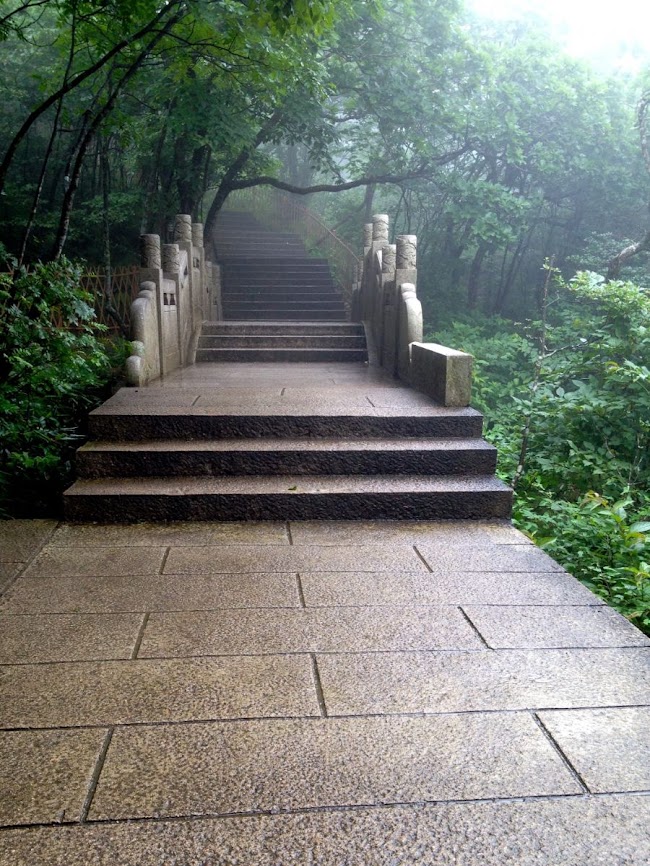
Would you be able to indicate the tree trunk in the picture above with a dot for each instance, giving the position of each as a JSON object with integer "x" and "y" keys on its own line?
{"x": 474, "y": 279}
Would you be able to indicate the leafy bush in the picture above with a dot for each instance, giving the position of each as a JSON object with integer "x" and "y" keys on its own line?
{"x": 54, "y": 366}
{"x": 567, "y": 403}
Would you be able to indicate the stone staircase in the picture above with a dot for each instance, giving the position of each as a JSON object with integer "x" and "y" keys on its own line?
{"x": 214, "y": 443}
{"x": 270, "y": 440}
{"x": 279, "y": 341}
{"x": 279, "y": 304}
{"x": 268, "y": 275}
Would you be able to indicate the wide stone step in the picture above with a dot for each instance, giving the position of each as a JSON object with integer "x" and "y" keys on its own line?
{"x": 278, "y": 328}
{"x": 281, "y": 341}
{"x": 285, "y": 457}
{"x": 288, "y": 497}
{"x": 139, "y": 423}
{"x": 281, "y": 355}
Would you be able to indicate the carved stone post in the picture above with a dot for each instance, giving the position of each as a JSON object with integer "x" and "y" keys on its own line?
{"x": 373, "y": 264}
{"x": 150, "y": 251}
{"x": 183, "y": 228}
{"x": 151, "y": 274}
{"x": 405, "y": 272}
{"x": 387, "y": 281}
{"x": 203, "y": 288}
{"x": 171, "y": 258}
{"x": 410, "y": 328}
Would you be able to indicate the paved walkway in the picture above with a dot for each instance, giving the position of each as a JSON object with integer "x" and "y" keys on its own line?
{"x": 332, "y": 693}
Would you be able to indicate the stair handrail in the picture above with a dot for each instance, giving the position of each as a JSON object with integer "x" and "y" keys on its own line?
{"x": 272, "y": 206}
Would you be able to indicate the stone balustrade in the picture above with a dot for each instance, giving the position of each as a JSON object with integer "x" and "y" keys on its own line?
{"x": 385, "y": 300}
{"x": 178, "y": 289}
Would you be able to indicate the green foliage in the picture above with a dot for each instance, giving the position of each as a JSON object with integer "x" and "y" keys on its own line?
{"x": 53, "y": 367}
{"x": 567, "y": 403}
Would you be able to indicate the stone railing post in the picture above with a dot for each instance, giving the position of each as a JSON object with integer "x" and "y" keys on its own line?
{"x": 171, "y": 261}
{"x": 410, "y": 326}
{"x": 378, "y": 240}
{"x": 144, "y": 363}
{"x": 152, "y": 274}
{"x": 405, "y": 272}
{"x": 386, "y": 287}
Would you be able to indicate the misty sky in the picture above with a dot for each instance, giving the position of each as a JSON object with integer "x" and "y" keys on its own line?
{"x": 611, "y": 33}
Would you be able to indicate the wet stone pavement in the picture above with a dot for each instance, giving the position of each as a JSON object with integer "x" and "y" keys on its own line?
{"x": 339, "y": 693}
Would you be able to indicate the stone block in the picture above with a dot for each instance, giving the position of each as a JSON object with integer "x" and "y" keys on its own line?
{"x": 135, "y": 592}
{"x": 166, "y": 690}
{"x": 444, "y": 682}
{"x": 576, "y": 626}
{"x": 442, "y": 373}
{"x": 287, "y": 630}
{"x": 54, "y": 638}
{"x": 610, "y": 748}
{"x": 44, "y": 775}
{"x": 277, "y": 765}
{"x": 572, "y": 831}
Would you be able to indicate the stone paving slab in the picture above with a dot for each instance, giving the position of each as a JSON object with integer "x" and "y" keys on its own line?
{"x": 176, "y": 534}
{"x": 222, "y": 768}
{"x": 84, "y": 562}
{"x": 539, "y": 626}
{"x": 351, "y": 629}
{"x": 603, "y": 831}
{"x": 8, "y": 571}
{"x": 119, "y": 693}
{"x": 21, "y": 539}
{"x": 376, "y": 683}
{"x": 610, "y": 748}
{"x": 346, "y": 532}
{"x": 143, "y": 593}
{"x": 212, "y": 560}
{"x": 335, "y": 588}
{"x": 488, "y": 557}
{"x": 44, "y": 775}
{"x": 49, "y": 638}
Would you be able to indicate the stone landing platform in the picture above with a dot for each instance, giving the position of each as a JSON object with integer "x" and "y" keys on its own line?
{"x": 333, "y": 693}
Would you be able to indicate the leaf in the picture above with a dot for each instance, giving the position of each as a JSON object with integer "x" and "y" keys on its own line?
{"x": 640, "y": 526}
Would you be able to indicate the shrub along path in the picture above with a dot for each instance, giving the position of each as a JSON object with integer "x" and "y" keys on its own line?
{"x": 313, "y": 692}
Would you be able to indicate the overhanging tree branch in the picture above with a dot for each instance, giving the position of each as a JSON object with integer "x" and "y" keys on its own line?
{"x": 75, "y": 81}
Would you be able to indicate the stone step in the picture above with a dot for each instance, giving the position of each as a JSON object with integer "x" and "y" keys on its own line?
{"x": 139, "y": 423}
{"x": 288, "y": 262}
{"x": 306, "y": 311}
{"x": 317, "y": 302}
{"x": 280, "y": 280}
{"x": 342, "y": 328}
{"x": 260, "y": 251}
{"x": 280, "y": 355}
{"x": 288, "y": 497}
{"x": 297, "y": 315}
{"x": 234, "y": 234}
{"x": 286, "y": 457}
{"x": 281, "y": 341}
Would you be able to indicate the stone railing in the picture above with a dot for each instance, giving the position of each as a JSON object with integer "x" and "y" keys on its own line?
{"x": 178, "y": 290}
{"x": 385, "y": 299}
